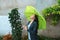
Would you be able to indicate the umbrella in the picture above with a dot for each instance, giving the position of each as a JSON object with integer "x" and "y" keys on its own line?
{"x": 30, "y": 11}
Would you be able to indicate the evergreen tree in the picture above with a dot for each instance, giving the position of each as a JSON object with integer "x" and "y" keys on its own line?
{"x": 16, "y": 25}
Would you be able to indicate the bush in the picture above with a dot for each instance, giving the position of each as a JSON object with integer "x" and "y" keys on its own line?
{"x": 53, "y": 12}
{"x": 15, "y": 20}
{"x": 0, "y": 37}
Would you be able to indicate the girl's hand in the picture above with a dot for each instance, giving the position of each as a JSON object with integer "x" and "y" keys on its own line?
{"x": 24, "y": 27}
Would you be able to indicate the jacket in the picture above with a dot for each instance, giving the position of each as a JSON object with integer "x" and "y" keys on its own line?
{"x": 33, "y": 30}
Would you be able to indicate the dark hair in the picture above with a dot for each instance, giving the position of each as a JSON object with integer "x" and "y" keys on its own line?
{"x": 36, "y": 19}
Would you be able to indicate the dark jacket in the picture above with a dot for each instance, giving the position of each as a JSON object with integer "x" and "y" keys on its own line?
{"x": 33, "y": 30}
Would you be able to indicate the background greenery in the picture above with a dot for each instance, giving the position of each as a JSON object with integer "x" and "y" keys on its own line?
{"x": 53, "y": 12}
{"x": 0, "y": 37}
{"x": 15, "y": 20}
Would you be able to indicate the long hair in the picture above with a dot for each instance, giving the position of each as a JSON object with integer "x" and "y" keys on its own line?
{"x": 36, "y": 19}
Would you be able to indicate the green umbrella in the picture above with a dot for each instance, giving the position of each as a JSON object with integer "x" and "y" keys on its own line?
{"x": 30, "y": 11}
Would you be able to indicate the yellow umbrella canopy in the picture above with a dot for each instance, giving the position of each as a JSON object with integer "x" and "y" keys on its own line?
{"x": 30, "y": 11}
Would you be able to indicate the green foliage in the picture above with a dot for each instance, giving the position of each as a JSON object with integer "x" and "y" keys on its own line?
{"x": 53, "y": 12}
{"x": 0, "y": 37}
{"x": 15, "y": 20}
{"x": 58, "y": 2}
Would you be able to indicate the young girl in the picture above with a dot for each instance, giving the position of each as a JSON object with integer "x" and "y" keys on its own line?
{"x": 32, "y": 27}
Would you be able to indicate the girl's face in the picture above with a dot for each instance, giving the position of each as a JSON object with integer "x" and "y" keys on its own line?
{"x": 32, "y": 17}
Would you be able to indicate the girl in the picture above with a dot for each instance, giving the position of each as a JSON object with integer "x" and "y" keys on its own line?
{"x": 32, "y": 27}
